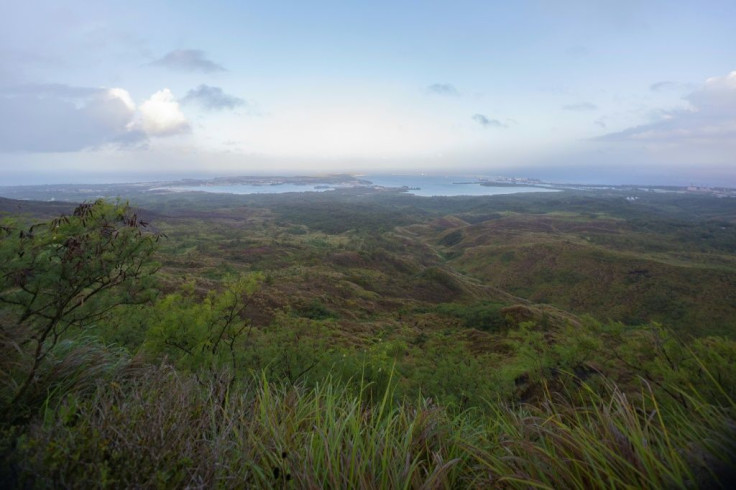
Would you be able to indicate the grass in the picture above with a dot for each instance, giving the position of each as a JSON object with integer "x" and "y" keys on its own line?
{"x": 161, "y": 428}
{"x": 609, "y": 442}
{"x": 73, "y": 366}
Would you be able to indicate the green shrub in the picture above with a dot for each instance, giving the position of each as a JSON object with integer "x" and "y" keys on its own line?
{"x": 482, "y": 316}
{"x": 316, "y": 310}
{"x": 64, "y": 276}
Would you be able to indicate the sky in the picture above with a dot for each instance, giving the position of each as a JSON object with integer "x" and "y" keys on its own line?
{"x": 596, "y": 91}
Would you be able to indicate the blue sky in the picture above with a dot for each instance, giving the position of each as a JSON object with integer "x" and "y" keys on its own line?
{"x": 596, "y": 91}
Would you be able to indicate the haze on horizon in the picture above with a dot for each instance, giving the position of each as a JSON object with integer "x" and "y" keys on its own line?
{"x": 589, "y": 91}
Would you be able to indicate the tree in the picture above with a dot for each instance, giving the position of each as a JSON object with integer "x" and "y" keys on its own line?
{"x": 204, "y": 333}
{"x": 67, "y": 274}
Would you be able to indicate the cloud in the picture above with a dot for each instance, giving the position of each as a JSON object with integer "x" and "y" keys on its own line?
{"x": 212, "y": 98}
{"x": 488, "y": 123}
{"x": 52, "y": 90}
{"x": 668, "y": 86}
{"x": 161, "y": 115}
{"x": 664, "y": 86}
{"x": 60, "y": 118}
{"x": 443, "y": 89}
{"x": 131, "y": 138}
{"x": 710, "y": 119}
{"x": 188, "y": 60}
{"x": 583, "y": 106}
{"x": 717, "y": 96}
{"x": 44, "y": 118}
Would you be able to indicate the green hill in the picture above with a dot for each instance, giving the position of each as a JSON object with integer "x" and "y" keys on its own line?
{"x": 369, "y": 339}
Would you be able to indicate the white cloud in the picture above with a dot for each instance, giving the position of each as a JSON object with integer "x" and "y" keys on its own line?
{"x": 123, "y": 96}
{"x": 112, "y": 109}
{"x": 717, "y": 96}
{"x": 161, "y": 115}
{"x": 710, "y": 119}
{"x": 699, "y": 136}
{"x": 60, "y": 118}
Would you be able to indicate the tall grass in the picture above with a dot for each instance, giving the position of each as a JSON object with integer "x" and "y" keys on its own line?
{"x": 164, "y": 429}
{"x": 608, "y": 440}
{"x": 71, "y": 367}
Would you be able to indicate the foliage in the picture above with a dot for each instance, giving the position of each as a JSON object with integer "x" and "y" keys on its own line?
{"x": 293, "y": 350}
{"x": 668, "y": 361}
{"x": 204, "y": 333}
{"x": 383, "y": 349}
{"x": 62, "y": 275}
{"x": 482, "y": 316}
{"x": 163, "y": 428}
{"x": 316, "y": 310}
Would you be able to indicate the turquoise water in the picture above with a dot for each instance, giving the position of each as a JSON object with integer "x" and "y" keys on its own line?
{"x": 419, "y": 185}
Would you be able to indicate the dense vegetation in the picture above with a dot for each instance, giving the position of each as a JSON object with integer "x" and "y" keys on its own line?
{"x": 369, "y": 339}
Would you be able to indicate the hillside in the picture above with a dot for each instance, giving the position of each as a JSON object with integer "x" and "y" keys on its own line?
{"x": 394, "y": 311}
{"x": 670, "y": 260}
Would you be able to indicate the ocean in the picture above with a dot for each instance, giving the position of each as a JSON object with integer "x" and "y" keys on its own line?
{"x": 418, "y": 185}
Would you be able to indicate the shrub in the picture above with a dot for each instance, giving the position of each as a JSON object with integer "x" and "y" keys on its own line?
{"x": 62, "y": 276}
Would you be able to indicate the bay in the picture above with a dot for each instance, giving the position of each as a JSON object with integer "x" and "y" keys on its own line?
{"x": 418, "y": 185}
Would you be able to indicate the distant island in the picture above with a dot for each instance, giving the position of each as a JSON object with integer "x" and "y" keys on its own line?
{"x": 322, "y": 183}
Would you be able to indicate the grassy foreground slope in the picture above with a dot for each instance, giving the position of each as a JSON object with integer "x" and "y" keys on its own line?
{"x": 368, "y": 340}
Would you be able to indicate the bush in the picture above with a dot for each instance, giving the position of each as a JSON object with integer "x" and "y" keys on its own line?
{"x": 482, "y": 316}
{"x": 60, "y": 277}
